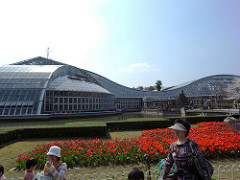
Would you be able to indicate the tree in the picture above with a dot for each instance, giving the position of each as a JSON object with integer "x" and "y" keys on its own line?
{"x": 140, "y": 88}
{"x": 171, "y": 103}
{"x": 201, "y": 102}
{"x": 182, "y": 100}
{"x": 158, "y": 85}
{"x": 150, "y": 88}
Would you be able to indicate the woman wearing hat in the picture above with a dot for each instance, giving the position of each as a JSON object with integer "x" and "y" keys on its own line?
{"x": 181, "y": 154}
{"x": 54, "y": 167}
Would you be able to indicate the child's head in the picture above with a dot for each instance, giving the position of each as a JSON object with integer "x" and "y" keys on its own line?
{"x": 1, "y": 170}
{"x": 31, "y": 163}
{"x": 136, "y": 174}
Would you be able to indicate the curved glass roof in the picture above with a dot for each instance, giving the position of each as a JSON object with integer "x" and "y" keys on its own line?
{"x": 69, "y": 83}
{"x": 208, "y": 86}
{"x": 16, "y": 76}
{"x": 180, "y": 86}
{"x": 118, "y": 90}
{"x": 59, "y": 77}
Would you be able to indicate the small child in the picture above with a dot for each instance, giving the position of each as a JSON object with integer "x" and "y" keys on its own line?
{"x": 2, "y": 177}
{"x": 136, "y": 174}
{"x": 31, "y": 165}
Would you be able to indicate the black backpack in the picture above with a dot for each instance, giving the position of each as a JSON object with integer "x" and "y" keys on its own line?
{"x": 197, "y": 164}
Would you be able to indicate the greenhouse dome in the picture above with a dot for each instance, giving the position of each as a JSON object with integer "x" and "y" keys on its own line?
{"x": 41, "y": 86}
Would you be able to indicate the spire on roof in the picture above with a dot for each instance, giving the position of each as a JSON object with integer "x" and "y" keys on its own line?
{"x": 48, "y": 52}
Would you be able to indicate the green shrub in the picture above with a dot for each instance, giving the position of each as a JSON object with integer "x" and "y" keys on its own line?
{"x": 141, "y": 125}
{"x": 196, "y": 119}
{"x": 29, "y": 133}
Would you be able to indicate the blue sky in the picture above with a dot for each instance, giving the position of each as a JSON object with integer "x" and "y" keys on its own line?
{"x": 132, "y": 42}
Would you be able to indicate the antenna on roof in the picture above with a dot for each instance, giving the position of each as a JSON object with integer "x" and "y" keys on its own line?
{"x": 48, "y": 52}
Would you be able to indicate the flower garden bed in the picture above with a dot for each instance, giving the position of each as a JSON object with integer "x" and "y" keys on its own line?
{"x": 216, "y": 139}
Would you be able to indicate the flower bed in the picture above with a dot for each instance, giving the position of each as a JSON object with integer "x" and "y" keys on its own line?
{"x": 216, "y": 139}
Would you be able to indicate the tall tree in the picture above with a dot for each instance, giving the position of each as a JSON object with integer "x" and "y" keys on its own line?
{"x": 158, "y": 85}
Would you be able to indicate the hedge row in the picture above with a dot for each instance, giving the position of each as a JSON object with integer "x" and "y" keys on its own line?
{"x": 99, "y": 131}
{"x": 135, "y": 125}
{"x": 197, "y": 119}
{"x": 116, "y": 126}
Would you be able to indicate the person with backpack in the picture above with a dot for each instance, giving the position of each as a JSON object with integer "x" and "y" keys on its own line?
{"x": 183, "y": 153}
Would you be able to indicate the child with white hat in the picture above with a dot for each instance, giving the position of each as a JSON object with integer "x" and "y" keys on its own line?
{"x": 54, "y": 167}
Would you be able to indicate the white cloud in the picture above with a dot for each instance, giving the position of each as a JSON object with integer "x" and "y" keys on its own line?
{"x": 138, "y": 67}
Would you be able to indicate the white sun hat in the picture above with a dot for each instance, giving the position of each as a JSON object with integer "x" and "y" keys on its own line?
{"x": 178, "y": 126}
{"x": 54, "y": 150}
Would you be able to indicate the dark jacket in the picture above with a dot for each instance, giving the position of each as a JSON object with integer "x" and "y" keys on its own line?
{"x": 181, "y": 155}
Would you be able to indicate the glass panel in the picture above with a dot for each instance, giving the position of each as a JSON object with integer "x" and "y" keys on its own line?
{"x": 33, "y": 95}
{"x": 6, "y": 112}
{"x": 22, "y": 95}
{"x": 29, "y": 111}
{"x": 51, "y": 107}
{"x": 35, "y": 109}
{"x": 7, "y": 104}
{"x": 17, "y": 111}
{"x": 30, "y": 103}
{"x": 12, "y": 111}
{"x": 55, "y": 100}
{"x": 56, "y": 93}
{"x": 25, "y": 103}
{"x": 19, "y": 103}
{"x": 11, "y": 95}
{"x": 24, "y": 110}
{"x": 79, "y": 107}
{"x": 5, "y": 95}
{"x": 65, "y": 107}
{"x": 55, "y": 107}
{"x": 65, "y": 100}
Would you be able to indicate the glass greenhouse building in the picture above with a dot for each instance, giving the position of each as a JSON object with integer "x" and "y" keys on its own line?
{"x": 40, "y": 86}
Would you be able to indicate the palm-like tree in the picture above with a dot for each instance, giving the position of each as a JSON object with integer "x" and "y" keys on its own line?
{"x": 158, "y": 85}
